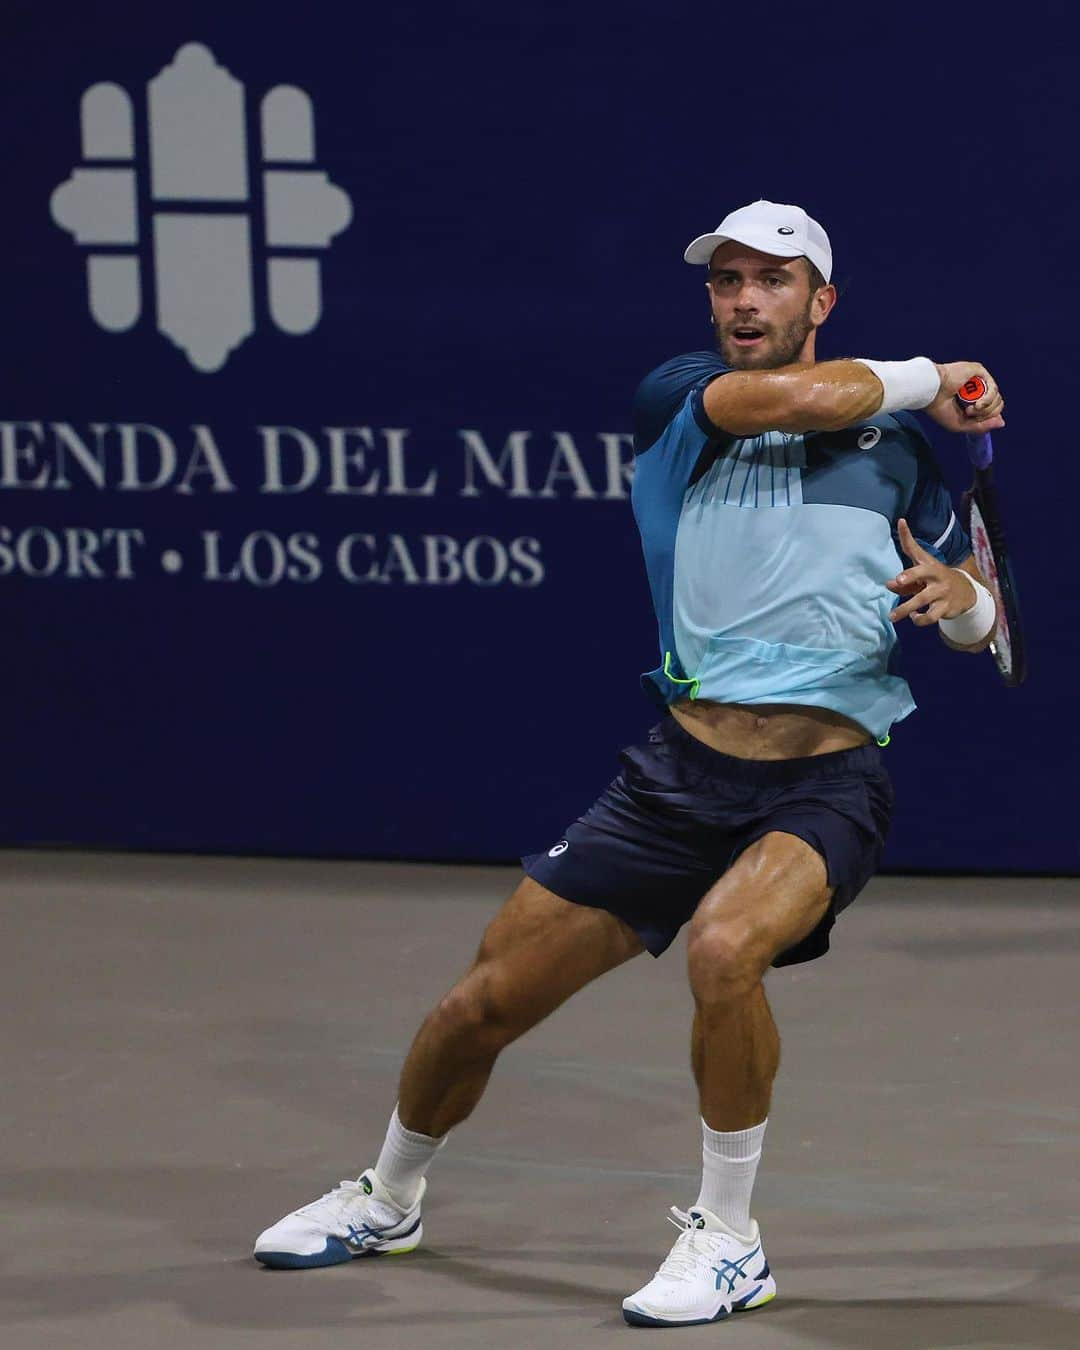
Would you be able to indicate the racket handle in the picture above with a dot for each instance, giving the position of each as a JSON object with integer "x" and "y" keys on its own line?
{"x": 972, "y": 390}
{"x": 980, "y": 449}
{"x": 979, "y": 446}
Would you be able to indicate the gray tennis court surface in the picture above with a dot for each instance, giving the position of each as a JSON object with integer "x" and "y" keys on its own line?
{"x": 195, "y": 1046}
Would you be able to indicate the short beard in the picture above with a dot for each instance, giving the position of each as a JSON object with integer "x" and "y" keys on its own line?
{"x": 781, "y": 348}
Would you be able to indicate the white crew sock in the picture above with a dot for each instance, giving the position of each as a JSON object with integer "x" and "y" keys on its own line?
{"x": 404, "y": 1159}
{"x": 729, "y": 1165}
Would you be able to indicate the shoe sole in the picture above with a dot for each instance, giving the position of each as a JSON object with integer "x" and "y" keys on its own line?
{"x": 335, "y": 1253}
{"x": 751, "y": 1302}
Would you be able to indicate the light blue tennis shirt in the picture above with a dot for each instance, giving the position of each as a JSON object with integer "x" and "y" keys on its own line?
{"x": 768, "y": 555}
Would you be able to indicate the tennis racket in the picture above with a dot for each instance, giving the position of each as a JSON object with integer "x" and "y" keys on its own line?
{"x": 982, "y": 517}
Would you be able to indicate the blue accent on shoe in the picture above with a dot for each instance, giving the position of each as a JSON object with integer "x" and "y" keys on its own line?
{"x": 358, "y": 1235}
{"x": 734, "y": 1270}
{"x": 741, "y": 1303}
{"x": 639, "y": 1319}
{"x": 333, "y": 1254}
{"x": 763, "y": 1273}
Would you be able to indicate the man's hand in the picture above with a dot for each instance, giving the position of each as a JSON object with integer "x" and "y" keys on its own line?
{"x": 937, "y": 591}
{"x": 982, "y": 416}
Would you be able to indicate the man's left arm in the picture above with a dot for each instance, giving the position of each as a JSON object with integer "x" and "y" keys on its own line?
{"x": 935, "y": 590}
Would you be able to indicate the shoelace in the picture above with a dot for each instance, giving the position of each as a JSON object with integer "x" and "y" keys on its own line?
{"x": 339, "y": 1198}
{"x": 692, "y": 1246}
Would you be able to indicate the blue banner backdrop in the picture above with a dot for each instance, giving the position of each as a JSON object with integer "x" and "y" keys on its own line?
{"x": 320, "y": 337}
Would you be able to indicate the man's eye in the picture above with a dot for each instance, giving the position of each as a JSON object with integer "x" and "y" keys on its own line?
{"x": 774, "y": 281}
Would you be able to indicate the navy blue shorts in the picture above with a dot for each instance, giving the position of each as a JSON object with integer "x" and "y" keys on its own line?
{"x": 680, "y": 813}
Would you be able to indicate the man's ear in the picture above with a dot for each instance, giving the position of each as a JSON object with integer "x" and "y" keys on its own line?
{"x": 821, "y": 304}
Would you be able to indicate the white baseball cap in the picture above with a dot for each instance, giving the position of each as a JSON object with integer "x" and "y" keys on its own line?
{"x": 770, "y": 227}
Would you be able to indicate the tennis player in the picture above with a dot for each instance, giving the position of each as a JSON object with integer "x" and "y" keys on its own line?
{"x": 791, "y": 515}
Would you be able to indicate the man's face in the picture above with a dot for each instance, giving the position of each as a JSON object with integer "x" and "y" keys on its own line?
{"x": 762, "y": 306}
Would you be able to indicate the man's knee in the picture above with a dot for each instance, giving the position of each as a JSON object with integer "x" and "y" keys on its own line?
{"x": 773, "y": 897}
{"x": 478, "y": 1012}
{"x": 727, "y": 958}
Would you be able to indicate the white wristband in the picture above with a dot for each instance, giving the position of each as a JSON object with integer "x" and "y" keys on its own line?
{"x": 907, "y": 384}
{"x": 975, "y": 623}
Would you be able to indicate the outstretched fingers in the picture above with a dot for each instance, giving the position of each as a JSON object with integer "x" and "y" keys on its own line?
{"x": 913, "y": 581}
{"x": 911, "y": 546}
{"x": 910, "y": 609}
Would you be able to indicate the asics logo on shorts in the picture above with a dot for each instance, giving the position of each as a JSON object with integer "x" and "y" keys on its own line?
{"x": 560, "y": 847}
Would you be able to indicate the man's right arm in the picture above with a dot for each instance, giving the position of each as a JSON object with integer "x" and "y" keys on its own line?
{"x": 829, "y": 395}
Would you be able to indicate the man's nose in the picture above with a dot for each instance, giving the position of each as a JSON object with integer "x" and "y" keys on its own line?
{"x": 744, "y": 297}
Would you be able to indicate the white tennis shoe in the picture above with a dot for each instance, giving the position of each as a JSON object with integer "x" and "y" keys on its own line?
{"x": 356, "y": 1218}
{"x": 710, "y": 1273}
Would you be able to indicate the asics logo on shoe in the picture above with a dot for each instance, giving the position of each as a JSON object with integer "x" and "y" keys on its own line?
{"x": 365, "y": 1235}
{"x": 361, "y": 1238}
{"x": 734, "y": 1270}
{"x": 699, "y": 1222}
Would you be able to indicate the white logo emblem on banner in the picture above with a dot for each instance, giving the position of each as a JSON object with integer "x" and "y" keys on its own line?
{"x": 212, "y": 210}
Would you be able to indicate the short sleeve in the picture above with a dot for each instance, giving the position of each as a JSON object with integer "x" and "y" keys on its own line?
{"x": 664, "y": 391}
{"x": 931, "y": 515}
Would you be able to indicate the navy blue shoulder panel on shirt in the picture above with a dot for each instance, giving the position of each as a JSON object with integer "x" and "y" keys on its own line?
{"x": 930, "y": 513}
{"x": 893, "y": 472}
{"x": 663, "y": 391}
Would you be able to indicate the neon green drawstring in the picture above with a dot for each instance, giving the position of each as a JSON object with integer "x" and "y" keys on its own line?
{"x": 695, "y": 685}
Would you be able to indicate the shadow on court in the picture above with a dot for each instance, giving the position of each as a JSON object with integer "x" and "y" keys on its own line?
{"x": 235, "y": 1296}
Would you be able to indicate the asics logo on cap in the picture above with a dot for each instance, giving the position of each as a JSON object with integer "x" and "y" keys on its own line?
{"x": 779, "y": 228}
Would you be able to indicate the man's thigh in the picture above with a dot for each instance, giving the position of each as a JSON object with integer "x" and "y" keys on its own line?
{"x": 540, "y": 949}
{"x": 773, "y": 896}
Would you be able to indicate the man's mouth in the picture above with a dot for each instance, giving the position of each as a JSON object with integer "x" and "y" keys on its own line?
{"x": 747, "y": 336}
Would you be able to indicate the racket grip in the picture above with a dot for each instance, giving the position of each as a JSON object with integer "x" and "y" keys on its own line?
{"x": 979, "y": 447}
